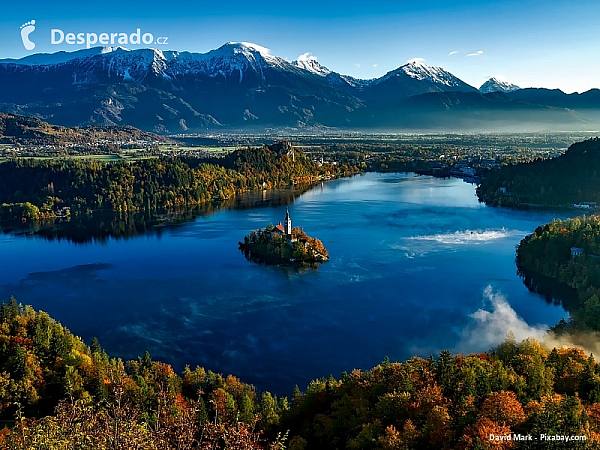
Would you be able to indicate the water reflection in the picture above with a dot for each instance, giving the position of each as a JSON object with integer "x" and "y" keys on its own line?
{"x": 554, "y": 292}
{"x": 297, "y": 267}
{"x": 101, "y": 226}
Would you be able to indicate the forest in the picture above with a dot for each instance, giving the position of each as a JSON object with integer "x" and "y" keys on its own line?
{"x": 547, "y": 251}
{"x": 37, "y": 188}
{"x": 56, "y": 392}
{"x": 561, "y": 181}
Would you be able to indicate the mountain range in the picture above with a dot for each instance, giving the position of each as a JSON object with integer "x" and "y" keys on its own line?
{"x": 241, "y": 86}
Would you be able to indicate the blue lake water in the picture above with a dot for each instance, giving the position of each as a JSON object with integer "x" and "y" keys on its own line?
{"x": 417, "y": 265}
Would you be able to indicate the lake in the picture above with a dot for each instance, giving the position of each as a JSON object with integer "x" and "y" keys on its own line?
{"x": 417, "y": 265}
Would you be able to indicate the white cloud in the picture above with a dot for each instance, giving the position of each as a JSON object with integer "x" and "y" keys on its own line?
{"x": 307, "y": 57}
{"x": 453, "y": 52}
{"x": 488, "y": 328}
{"x": 477, "y": 53}
{"x": 357, "y": 65}
{"x": 375, "y": 65}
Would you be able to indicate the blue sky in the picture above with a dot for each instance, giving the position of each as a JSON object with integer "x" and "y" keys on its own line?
{"x": 553, "y": 44}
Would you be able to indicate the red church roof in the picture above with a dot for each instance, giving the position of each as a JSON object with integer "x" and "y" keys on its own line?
{"x": 280, "y": 228}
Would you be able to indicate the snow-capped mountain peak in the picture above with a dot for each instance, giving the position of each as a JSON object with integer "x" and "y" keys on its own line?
{"x": 245, "y": 50}
{"x": 105, "y": 50}
{"x": 416, "y": 69}
{"x": 309, "y": 62}
{"x": 229, "y": 59}
{"x": 496, "y": 85}
{"x": 249, "y": 45}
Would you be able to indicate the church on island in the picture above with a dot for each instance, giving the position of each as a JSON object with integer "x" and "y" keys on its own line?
{"x": 282, "y": 243}
{"x": 285, "y": 230}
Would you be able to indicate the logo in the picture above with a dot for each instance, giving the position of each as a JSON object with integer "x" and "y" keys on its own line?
{"x": 26, "y": 30}
{"x": 58, "y": 36}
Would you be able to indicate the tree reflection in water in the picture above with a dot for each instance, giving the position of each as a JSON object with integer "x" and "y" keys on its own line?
{"x": 101, "y": 226}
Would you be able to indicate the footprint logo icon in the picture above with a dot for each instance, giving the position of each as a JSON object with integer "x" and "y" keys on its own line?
{"x": 26, "y": 30}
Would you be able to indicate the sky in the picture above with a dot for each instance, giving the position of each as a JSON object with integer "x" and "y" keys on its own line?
{"x": 551, "y": 43}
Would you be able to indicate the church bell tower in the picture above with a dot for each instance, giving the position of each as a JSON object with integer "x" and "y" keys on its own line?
{"x": 288, "y": 223}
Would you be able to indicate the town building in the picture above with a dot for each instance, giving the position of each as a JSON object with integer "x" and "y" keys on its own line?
{"x": 576, "y": 251}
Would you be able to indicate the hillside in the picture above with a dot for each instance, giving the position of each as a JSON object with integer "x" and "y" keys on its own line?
{"x": 455, "y": 402}
{"x": 86, "y": 399}
{"x": 35, "y": 188}
{"x": 547, "y": 252}
{"x": 65, "y": 394}
{"x": 562, "y": 181}
{"x": 18, "y": 129}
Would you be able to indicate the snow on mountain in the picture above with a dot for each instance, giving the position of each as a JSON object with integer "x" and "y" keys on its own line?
{"x": 418, "y": 70}
{"x": 46, "y": 59}
{"x": 129, "y": 65}
{"x": 231, "y": 59}
{"x": 309, "y": 62}
{"x": 357, "y": 83}
{"x": 496, "y": 85}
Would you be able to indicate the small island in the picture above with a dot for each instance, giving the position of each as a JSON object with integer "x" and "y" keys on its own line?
{"x": 282, "y": 244}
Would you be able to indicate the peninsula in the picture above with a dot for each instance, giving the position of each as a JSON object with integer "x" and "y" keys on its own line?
{"x": 570, "y": 180}
{"x": 568, "y": 252}
{"x": 277, "y": 244}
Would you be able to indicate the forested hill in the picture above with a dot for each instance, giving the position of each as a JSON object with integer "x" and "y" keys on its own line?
{"x": 64, "y": 394}
{"x": 84, "y": 399}
{"x": 455, "y": 403}
{"x": 279, "y": 164}
{"x": 33, "y": 131}
{"x": 31, "y": 188}
{"x": 570, "y": 178}
{"x": 547, "y": 252}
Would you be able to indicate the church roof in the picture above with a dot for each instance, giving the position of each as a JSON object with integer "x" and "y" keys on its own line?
{"x": 280, "y": 228}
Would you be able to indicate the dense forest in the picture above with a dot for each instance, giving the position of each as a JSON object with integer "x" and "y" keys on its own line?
{"x": 547, "y": 251}
{"x": 63, "y": 394}
{"x": 562, "y": 181}
{"x": 34, "y": 188}
{"x": 454, "y": 402}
